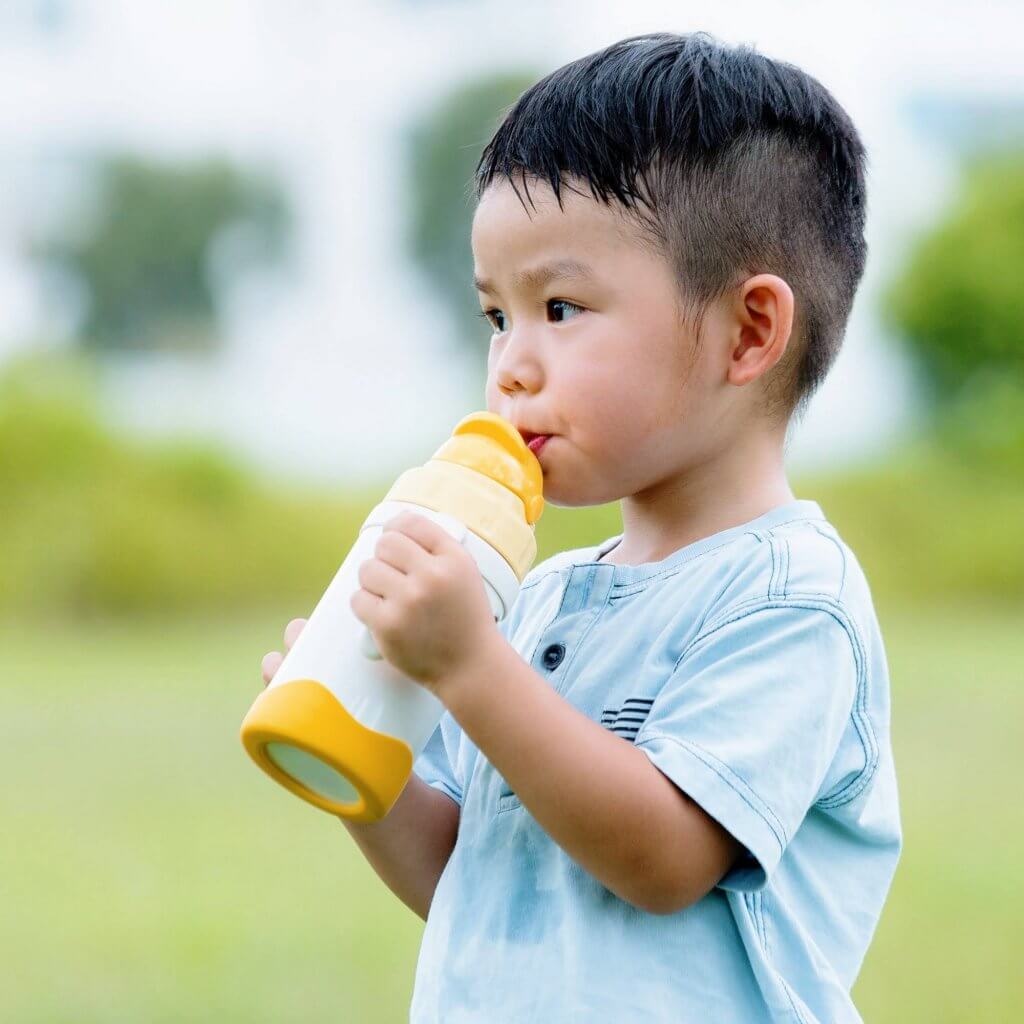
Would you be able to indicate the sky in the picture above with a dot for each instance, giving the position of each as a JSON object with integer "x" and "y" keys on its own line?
{"x": 339, "y": 373}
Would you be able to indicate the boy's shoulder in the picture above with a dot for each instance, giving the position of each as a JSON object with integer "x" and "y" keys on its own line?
{"x": 799, "y": 559}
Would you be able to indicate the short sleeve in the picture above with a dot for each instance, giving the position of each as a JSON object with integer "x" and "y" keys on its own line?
{"x": 750, "y": 721}
{"x": 436, "y": 764}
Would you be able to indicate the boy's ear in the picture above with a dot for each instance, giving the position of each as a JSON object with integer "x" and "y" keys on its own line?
{"x": 764, "y": 321}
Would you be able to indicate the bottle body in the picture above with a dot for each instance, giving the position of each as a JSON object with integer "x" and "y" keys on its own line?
{"x": 335, "y": 652}
{"x": 338, "y": 725}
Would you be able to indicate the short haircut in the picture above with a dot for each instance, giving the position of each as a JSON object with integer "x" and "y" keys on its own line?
{"x": 732, "y": 164}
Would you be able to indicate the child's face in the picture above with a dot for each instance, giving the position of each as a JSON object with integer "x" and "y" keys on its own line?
{"x": 601, "y": 362}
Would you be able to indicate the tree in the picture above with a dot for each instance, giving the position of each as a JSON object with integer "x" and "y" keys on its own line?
{"x": 160, "y": 235}
{"x": 443, "y": 153}
{"x": 959, "y": 301}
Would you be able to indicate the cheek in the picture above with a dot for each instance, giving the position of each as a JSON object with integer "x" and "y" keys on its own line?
{"x": 614, "y": 416}
{"x": 492, "y": 393}
{"x": 648, "y": 414}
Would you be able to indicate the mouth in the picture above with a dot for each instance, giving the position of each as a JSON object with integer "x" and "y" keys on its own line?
{"x": 534, "y": 441}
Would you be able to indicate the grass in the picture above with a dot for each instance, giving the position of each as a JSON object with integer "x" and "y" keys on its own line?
{"x": 149, "y": 872}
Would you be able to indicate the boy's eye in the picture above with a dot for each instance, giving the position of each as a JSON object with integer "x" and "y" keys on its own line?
{"x": 569, "y": 305}
{"x": 561, "y": 310}
{"x": 492, "y": 317}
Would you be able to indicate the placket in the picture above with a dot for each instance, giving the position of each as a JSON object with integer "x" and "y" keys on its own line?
{"x": 584, "y": 598}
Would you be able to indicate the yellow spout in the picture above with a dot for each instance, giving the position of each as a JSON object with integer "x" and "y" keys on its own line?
{"x": 488, "y": 443}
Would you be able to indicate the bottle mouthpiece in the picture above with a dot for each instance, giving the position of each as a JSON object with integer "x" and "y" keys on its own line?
{"x": 491, "y": 445}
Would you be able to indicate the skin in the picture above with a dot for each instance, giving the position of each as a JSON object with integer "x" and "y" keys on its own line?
{"x": 677, "y": 429}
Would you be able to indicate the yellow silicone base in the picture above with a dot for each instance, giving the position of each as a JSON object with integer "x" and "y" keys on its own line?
{"x": 305, "y": 714}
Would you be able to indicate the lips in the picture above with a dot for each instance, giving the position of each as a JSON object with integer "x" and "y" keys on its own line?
{"x": 533, "y": 441}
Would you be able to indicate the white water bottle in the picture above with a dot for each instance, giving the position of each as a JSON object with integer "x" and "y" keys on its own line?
{"x": 338, "y": 725}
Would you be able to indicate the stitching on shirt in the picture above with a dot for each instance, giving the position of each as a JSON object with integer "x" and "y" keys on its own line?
{"x": 725, "y": 585}
{"x": 595, "y": 616}
{"x": 626, "y": 589}
{"x": 764, "y": 922}
{"x": 555, "y": 617}
{"x": 565, "y": 593}
{"x": 550, "y": 622}
{"x": 757, "y": 905}
{"x": 842, "y": 555}
{"x": 862, "y": 723}
{"x": 726, "y": 774}
{"x": 748, "y": 898}
{"x": 762, "y": 907}
{"x": 588, "y": 585}
{"x": 641, "y": 584}
{"x": 508, "y": 802}
{"x": 815, "y": 601}
{"x": 780, "y": 565}
{"x": 752, "y": 899}
{"x": 797, "y": 1012}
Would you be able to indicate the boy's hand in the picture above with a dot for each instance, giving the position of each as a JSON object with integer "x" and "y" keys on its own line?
{"x": 423, "y": 599}
{"x": 272, "y": 659}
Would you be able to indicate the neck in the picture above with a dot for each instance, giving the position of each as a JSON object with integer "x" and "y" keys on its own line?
{"x": 731, "y": 487}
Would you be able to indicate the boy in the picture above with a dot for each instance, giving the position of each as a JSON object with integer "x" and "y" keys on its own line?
{"x": 662, "y": 788}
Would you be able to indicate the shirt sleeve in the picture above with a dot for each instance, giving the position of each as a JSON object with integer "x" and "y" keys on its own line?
{"x": 750, "y": 720}
{"x": 437, "y": 763}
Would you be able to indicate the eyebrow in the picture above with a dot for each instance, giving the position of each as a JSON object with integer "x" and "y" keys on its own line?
{"x": 537, "y": 277}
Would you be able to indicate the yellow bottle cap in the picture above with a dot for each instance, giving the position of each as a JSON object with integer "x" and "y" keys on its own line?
{"x": 488, "y": 443}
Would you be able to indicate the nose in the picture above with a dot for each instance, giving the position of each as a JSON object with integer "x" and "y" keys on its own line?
{"x": 516, "y": 365}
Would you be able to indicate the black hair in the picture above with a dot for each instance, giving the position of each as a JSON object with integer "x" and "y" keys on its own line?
{"x": 732, "y": 163}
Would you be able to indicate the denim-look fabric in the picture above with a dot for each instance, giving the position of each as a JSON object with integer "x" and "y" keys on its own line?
{"x": 749, "y": 668}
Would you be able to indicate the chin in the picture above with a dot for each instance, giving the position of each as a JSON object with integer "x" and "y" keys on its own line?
{"x": 571, "y": 498}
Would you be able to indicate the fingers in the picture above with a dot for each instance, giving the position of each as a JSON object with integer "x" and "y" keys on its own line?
{"x": 272, "y": 659}
{"x": 292, "y": 631}
{"x": 399, "y": 550}
{"x": 271, "y": 663}
{"x": 423, "y": 531}
{"x": 378, "y": 577}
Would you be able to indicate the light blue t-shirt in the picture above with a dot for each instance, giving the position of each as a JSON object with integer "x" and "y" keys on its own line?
{"x": 749, "y": 668}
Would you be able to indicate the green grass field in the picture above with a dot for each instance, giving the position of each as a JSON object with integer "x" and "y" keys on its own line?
{"x": 149, "y": 872}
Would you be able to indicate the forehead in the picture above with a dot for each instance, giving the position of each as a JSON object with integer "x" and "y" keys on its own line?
{"x": 582, "y": 228}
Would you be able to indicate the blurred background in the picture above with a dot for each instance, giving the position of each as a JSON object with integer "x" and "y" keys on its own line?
{"x": 235, "y": 303}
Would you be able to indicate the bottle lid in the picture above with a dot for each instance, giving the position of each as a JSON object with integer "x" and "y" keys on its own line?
{"x": 488, "y": 443}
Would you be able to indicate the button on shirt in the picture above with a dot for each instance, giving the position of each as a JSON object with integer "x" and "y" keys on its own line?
{"x": 749, "y": 668}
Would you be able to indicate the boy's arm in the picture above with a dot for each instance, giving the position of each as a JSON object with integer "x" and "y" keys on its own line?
{"x": 599, "y": 797}
{"x": 410, "y": 846}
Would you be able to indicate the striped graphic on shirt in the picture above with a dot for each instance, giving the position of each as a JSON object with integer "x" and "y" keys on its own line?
{"x": 627, "y": 720}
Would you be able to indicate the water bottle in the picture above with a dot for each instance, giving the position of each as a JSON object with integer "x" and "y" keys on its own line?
{"x": 338, "y": 725}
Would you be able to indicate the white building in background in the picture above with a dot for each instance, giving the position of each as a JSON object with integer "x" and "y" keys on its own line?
{"x": 342, "y": 375}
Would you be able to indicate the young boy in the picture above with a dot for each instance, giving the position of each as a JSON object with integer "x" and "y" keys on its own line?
{"x": 663, "y": 788}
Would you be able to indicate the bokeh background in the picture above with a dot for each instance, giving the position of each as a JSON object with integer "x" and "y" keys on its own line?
{"x": 235, "y": 303}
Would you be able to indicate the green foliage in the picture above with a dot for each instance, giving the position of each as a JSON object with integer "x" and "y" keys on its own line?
{"x": 958, "y": 302}
{"x": 146, "y": 256}
{"x": 931, "y": 526}
{"x": 984, "y": 426}
{"x": 443, "y": 153}
{"x": 91, "y": 523}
